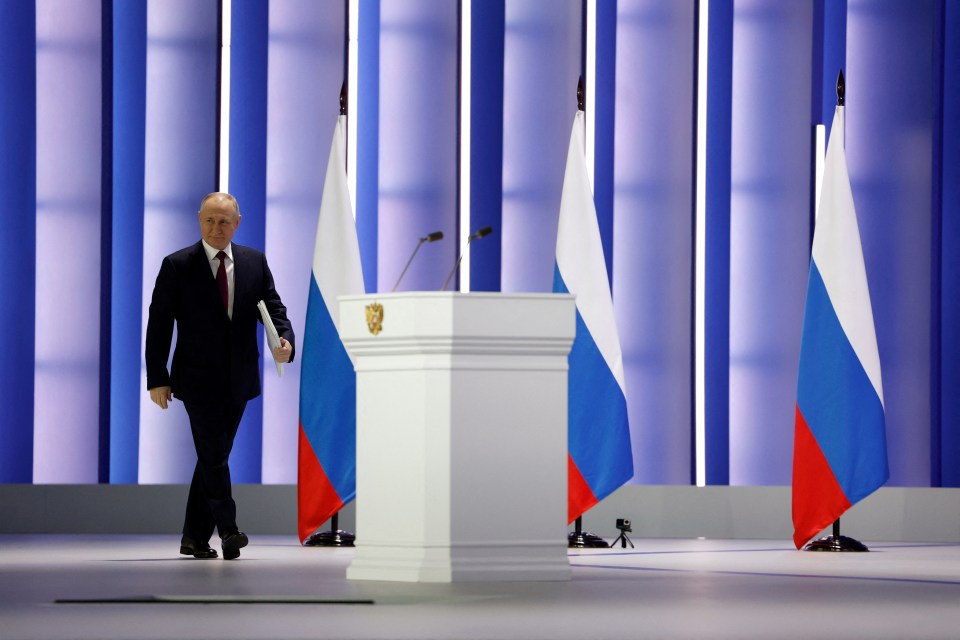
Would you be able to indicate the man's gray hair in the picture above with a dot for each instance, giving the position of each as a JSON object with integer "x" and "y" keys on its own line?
{"x": 222, "y": 194}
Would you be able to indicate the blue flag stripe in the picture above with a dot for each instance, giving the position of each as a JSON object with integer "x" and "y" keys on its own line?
{"x": 837, "y": 399}
{"x": 595, "y": 400}
{"x": 328, "y": 397}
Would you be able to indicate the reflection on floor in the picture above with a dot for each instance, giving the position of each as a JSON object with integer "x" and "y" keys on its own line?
{"x": 108, "y": 587}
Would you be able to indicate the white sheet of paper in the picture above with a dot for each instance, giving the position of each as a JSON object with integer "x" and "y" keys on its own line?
{"x": 273, "y": 338}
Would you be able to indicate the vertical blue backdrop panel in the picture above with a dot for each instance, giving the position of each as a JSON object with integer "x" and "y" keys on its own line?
{"x": 304, "y": 76}
{"x": 180, "y": 161}
{"x": 18, "y": 117}
{"x": 717, "y": 252}
{"x": 605, "y": 123}
{"x": 949, "y": 345}
{"x": 542, "y": 62}
{"x": 486, "y": 141}
{"x": 66, "y": 420}
{"x": 367, "y": 118}
{"x": 833, "y": 59}
{"x": 889, "y": 143}
{"x": 104, "y": 408}
{"x": 653, "y": 230}
{"x": 129, "y": 118}
{"x": 247, "y": 183}
{"x": 418, "y": 141}
{"x": 769, "y": 232}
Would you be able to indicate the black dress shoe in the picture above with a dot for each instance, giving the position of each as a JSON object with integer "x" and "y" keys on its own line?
{"x": 232, "y": 543}
{"x": 200, "y": 551}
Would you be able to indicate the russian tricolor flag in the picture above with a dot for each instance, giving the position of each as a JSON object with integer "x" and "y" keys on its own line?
{"x": 840, "y": 446}
{"x": 328, "y": 385}
{"x": 600, "y": 458}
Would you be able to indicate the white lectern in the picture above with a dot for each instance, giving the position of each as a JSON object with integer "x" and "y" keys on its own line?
{"x": 461, "y": 435}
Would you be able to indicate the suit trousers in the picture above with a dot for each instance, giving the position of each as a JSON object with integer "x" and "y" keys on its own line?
{"x": 210, "y": 501}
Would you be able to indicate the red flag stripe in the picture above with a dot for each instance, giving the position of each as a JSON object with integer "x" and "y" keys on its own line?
{"x": 317, "y": 500}
{"x": 818, "y": 499}
{"x": 579, "y": 496}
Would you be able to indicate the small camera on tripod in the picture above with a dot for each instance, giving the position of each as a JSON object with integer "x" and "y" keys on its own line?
{"x": 623, "y": 524}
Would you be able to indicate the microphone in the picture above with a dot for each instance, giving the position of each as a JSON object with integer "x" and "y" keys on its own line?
{"x": 430, "y": 237}
{"x": 476, "y": 235}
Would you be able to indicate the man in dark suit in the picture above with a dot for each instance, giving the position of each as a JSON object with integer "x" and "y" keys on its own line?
{"x": 210, "y": 290}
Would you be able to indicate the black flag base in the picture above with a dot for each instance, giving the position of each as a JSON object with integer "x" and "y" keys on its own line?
{"x": 585, "y": 540}
{"x": 836, "y": 543}
{"x": 332, "y": 538}
{"x": 580, "y": 539}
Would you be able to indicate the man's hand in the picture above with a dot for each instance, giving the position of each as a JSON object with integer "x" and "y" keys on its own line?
{"x": 282, "y": 353}
{"x": 161, "y": 396}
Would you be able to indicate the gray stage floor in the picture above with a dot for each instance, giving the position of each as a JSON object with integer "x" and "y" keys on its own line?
{"x": 660, "y": 589}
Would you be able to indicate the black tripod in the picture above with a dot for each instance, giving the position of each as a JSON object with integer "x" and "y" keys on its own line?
{"x": 623, "y": 540}
{"x": 624, "y": 526}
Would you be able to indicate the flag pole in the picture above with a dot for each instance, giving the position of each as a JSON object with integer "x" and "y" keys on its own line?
{"x": 837, "y": 542}
{"x": 578, "y": 538}
{"x": 335, "y": 537}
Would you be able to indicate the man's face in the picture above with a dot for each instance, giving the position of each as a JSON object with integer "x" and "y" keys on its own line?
{"x": 218, "y": 222}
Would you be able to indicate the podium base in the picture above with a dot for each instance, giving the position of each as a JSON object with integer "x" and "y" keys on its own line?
{"x": 836, "y": 543}
{"x": 333, "y": 538}
{"x": 464, "y": 561}
{"x": 584, "y": 540}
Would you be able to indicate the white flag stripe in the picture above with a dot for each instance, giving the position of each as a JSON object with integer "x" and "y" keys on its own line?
{"x": 580, "y": 255}
{"x": 838, "y": 255}
{"x": 336, "y": 257}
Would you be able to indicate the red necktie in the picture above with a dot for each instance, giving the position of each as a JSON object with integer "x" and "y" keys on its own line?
{"x": 222, "y": 281}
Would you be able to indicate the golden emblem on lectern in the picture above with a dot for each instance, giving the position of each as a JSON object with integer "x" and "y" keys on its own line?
{"x": 375, "y": 317}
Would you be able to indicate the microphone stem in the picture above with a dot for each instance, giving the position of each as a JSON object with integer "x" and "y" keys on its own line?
{"x": 407, "y": 266}
{"x": 456, "y": 266}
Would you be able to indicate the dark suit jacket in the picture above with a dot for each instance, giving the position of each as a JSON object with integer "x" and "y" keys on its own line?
{"x": 215, "y": 358}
